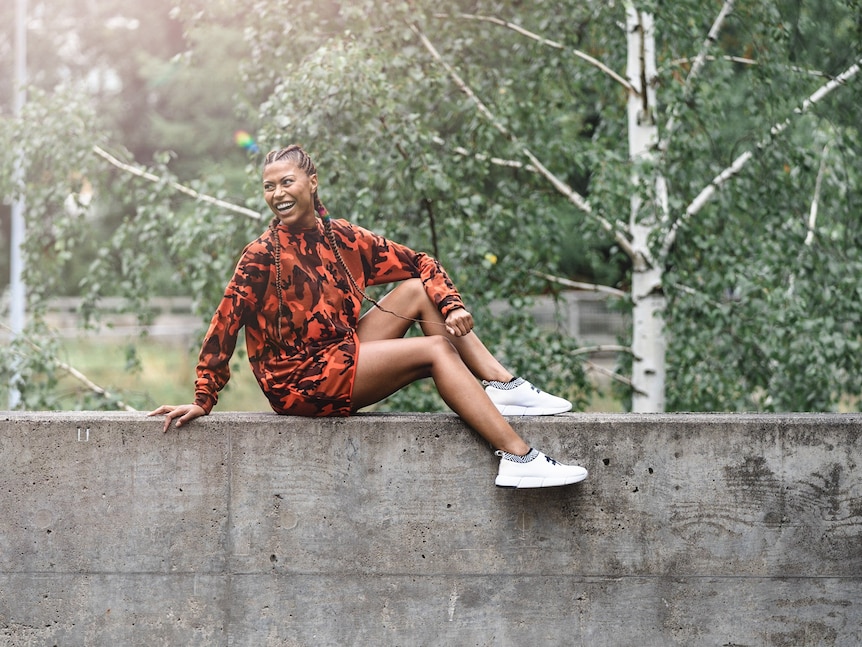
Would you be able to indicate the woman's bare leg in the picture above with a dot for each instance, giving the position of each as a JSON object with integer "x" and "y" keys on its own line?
{"x": 386, "y": 365}
{"x": 388, "y": 362}
{"x": 409, "y": 299}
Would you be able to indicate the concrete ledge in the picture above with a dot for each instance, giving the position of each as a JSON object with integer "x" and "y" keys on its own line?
{"x": 254, "y": 529}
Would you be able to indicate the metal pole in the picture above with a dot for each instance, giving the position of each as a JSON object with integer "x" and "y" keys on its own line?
{"x": 17, "y": 290}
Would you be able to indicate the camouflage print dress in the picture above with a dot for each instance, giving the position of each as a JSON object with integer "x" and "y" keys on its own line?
{"x": 309, "y": 371}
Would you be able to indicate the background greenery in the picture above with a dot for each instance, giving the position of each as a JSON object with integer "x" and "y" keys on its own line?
{"x": 166, "y": 373}
{"x": 757, "y": 319}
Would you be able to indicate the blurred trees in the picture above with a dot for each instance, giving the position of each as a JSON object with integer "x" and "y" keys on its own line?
{"x": 132, "y": 78}
{"x": 103, "y": 48}
{"x": 138, "y": 83}
{"x": 761, "y": 282}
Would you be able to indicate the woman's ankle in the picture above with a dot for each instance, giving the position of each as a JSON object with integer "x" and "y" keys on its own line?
{"x": 516, "y": 448}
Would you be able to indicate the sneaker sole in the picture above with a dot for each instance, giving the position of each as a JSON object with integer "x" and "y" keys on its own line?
{"x": 513, "y": 410}
{"x": 524, "y": 482}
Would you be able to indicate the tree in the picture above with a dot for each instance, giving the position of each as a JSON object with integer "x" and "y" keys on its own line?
{"x": 402, "y": 81}
{"x": 82, "y": 211}
{"x": 722, "y": 183}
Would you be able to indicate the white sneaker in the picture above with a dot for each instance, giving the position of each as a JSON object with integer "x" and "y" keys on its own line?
{"x": 540, "y": 471}
{"x": 520, "y": 398}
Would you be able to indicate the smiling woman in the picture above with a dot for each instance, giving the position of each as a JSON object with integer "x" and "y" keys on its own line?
{"x": 286, "y": 189}
{"x": 298, "y": 290}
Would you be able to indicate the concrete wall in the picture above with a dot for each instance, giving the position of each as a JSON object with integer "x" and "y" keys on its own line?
{"x": 255, "y": 530}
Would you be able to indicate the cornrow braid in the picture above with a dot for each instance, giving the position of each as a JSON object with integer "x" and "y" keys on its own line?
{"x": 294, "y": 153}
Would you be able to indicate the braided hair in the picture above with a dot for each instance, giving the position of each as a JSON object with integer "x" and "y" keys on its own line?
{"x": 295, "y": 154}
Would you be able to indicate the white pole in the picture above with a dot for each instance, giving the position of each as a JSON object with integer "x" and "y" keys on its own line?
{"x": 17, "y": 290}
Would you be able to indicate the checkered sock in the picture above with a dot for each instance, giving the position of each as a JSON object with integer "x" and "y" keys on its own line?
{"x": 526, "y": 458}
{"x": 514, "y": 383}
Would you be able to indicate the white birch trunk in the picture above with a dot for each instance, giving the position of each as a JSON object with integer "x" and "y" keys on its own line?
{"x": 648, "y": 340}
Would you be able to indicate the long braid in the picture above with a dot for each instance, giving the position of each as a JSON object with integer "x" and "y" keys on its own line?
{"x": 298, "y": 156}
{"x": 333, "y": 243}
{"x": 276, "y": 252}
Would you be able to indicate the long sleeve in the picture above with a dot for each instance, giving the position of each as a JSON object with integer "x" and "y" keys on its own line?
{"x": 240, "y": 297}
{"x": 384, "y": 261}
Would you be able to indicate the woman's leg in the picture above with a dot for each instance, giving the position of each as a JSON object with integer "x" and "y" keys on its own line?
{"x": 410, "y": 300}
{"x": 387, "y": 362}
{"x": 387, "y": 365}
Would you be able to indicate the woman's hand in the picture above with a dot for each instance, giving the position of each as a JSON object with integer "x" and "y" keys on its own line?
{"x": 183, "y": 414}
{"x": 459, "y": 322}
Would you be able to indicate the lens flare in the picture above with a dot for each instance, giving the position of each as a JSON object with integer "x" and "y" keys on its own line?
{"x": 245, "y": 141}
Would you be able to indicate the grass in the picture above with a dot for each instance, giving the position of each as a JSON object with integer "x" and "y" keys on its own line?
{"x": 166, "y": 372}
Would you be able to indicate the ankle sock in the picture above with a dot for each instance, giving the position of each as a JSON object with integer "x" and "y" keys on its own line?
{"x": 514, "y": 383}
{"x": 526, "y": 458}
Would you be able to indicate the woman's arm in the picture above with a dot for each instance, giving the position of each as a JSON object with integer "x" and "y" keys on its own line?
{"x": 213, "y": 369}
{"x": 240, "y": 302}
{"x": 385, "y": 261}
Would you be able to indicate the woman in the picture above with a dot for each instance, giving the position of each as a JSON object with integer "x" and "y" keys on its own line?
{"x": 298, "y": 289}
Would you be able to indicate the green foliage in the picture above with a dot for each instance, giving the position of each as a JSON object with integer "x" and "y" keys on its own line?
{"x": 762, "y": 320}
{"x": 757, "y": 319}
{"x": 773, "y": 322}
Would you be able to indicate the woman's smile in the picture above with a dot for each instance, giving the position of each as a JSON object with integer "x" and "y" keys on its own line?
{"x": 289, "y": 193}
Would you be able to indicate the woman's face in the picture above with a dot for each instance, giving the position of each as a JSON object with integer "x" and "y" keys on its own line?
{"x": 289, "y": 192}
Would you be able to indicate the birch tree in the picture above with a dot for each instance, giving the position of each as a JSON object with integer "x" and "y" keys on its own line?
{"x": 709, "y": 150}
{"x": 672, "y": 176}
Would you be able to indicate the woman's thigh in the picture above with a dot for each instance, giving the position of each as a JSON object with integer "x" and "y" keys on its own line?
{"x": 385, "y": 366}
{"x": 408, "y": 301}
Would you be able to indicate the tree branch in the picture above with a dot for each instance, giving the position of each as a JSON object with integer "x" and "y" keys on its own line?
{"x": 602, "y": 348}
{"x": 544, "y": 41}
{"x": 750, "y": 61}
{"x": 699, "y": 60}
{"x": 133, "y": 170}
{"x": 573, "y": 196}
{"x": 75, "y": 373}
{"x": 95, "y": 388}
{"x": 815, "y": 201}
{"x": 482, "y": 157}
{"x": 731, "y": 171}
{"x": 711, "y": 39}
{"x": 584, "y": 287}
{"x": 614, "y": 376}
{"x": 677, "y": 62}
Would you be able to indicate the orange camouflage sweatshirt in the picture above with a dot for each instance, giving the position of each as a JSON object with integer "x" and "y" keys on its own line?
{"x": 310, "y": 370}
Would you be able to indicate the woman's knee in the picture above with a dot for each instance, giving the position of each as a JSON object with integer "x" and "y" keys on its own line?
{"x": 410, "y": 290}
{"x": 413, "y": 290}
{"x": 440, "y": 347}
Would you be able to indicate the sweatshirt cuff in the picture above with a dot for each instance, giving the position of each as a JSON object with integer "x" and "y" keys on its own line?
{"x": 205, "y": 401}
{"x": 449, "y": 304}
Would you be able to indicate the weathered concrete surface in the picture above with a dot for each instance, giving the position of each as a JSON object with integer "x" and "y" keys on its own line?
{"x": 255, "y": 530}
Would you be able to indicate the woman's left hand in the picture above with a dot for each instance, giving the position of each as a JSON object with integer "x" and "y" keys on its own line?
{"x": 459, "y": 322}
